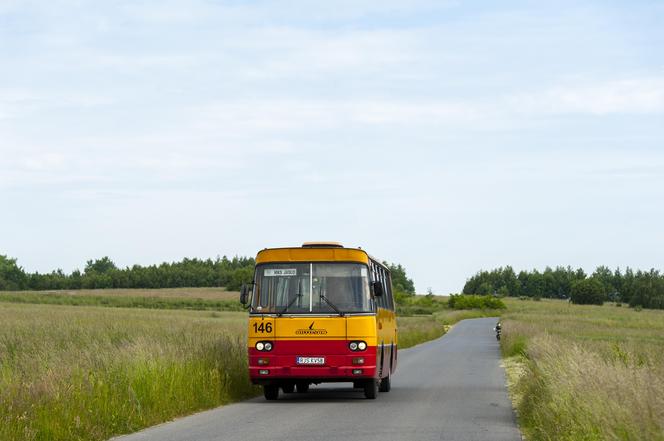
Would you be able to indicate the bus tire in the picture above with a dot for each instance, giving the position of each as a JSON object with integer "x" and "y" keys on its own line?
{"x": 302, "y": 387}
{"x": 385, "y": 384}
{"x": 371, "y": 389}
{"x": 271, "y": 392}
{"x": 288, "y": 388}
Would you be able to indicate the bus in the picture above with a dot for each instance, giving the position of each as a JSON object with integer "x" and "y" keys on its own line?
{"x": 320, "y": 313}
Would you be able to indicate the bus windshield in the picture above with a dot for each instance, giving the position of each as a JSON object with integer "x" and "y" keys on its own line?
{"x": 294, "y": 288}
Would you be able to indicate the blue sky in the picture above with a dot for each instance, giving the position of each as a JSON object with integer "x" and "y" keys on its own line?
{"x": 447, "y": 136}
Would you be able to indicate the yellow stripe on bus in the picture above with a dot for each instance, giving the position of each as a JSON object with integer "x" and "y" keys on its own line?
{"x": 312, "y": 255}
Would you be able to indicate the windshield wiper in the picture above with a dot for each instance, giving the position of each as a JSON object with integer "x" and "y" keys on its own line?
{"x": 341, "y": 314}
{"x": 297, "y": 296}
{"x": 280, "y": 313}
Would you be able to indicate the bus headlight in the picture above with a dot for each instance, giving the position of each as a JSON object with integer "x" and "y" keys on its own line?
{"x": 357, "y": 346}
{"x": 264, "y": 346}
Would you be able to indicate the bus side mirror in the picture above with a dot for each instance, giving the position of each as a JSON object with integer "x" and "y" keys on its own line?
{"x": 378, "y": 289}
{"x": 244, "y": 294}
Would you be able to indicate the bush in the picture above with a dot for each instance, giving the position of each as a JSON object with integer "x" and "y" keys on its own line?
{"x": 415, "y": 305}
{"x": 474, "y": 302}
{"x": 588, "y": 292}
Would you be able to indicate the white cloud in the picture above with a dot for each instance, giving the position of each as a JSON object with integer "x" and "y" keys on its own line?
{"x": 302, "y": 52}
{"x": 635, "y": 95}
{"x": 246, "y": 117}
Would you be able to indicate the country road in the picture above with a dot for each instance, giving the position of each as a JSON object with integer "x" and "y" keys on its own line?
{"x": 451, "y": 389}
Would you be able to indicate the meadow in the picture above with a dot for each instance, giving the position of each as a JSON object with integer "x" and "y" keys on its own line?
{"x": 585, "y": 372}
{"x": 89, "y": 372}
{"x": 80, "y": 373}
{"x": 202, "y": 299}
{"x": 169, "y": 293}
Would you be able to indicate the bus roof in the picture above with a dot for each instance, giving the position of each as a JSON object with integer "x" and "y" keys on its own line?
{"x": 315, "y": 252}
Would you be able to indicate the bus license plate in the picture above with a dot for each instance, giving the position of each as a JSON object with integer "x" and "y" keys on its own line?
{"x": 311, "y": 360}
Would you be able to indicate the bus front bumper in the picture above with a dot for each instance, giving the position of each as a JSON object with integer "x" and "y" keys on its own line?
{"x": 336, "y": 368}
{"x": 319, "y": 373}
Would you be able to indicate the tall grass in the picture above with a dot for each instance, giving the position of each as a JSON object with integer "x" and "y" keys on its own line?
{"x": 588, "y": 372}
{"x": 215, "y": 293}
{"x": 122, "y": 301}
{"x": 70, "y": 373}
{"x": 88, "y": 373}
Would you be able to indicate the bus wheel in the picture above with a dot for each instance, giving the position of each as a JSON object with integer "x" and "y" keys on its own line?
{"x": 385, "y": 384}
{"x": 288, "y": 388}
{"x": 302, "y": 387}
{"x": 271, "y": 392}
{"x": 371, "y": 389}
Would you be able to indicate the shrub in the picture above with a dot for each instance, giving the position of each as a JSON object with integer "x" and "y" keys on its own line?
{"x": 588, "y": 292}
{"x": 474, "y": 302}
{"x": 415, "y": 305}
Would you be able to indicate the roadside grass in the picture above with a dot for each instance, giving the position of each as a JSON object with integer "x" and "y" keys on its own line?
{"x": 85, "y": 373}
{"x": 89, "y": 373}
{"x": 432, "y": 319}
{"x": 585, "y": 372}
{"x": 415, "y": 330}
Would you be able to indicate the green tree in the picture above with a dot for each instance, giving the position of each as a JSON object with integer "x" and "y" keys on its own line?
{"x": 649, "y": 290}
{"x": 511, "y": 285}
{"x": 240, "y": 276}
{"x": 605, "y": 276}
{"x": 400, "y": 280}
{"x": 100, "y": 266}
{"x": 485, "y": 288}
{"x": 588, "y": 292}
{"x": 535, "y": 284}
{"x": 12, "y": 276}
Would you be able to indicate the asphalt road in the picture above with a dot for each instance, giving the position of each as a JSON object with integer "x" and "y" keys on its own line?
{"x": 448, "y": 389}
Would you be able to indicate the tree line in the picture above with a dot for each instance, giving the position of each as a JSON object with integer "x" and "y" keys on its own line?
{"x": 636, "y": 288}
{"x": 103, "y": 273}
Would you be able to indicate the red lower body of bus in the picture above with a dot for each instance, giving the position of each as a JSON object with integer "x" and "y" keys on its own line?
{"x": 340, "y": 363}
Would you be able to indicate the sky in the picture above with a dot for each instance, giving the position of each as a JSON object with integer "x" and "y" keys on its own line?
{"x": 446, "y": 136}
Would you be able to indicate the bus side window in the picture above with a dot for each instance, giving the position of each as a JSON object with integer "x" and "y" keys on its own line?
{"x": 375, "y": 272}
{"x": 386, "y": 298}
{"x": 388, "y": 291}
{"x": 386, "y": 288}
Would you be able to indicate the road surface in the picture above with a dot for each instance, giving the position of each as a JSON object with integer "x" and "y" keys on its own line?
{"x": 450, "y": 389}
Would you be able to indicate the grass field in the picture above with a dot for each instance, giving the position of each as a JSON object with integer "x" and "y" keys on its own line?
{"x": 170, "y": 293}
{"x": 202, "y": 299}
{"x": 86, "y": 373}
{"x": 585, "y": 372}
{"x": 89, "y": 372}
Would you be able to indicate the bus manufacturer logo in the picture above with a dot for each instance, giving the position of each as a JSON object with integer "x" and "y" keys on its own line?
{"x": 311, "y": 331}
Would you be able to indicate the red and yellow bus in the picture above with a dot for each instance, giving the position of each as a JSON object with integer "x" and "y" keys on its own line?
{"x": 320, "y": 313}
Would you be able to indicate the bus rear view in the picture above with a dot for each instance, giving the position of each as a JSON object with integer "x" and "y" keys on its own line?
{"x": 320, "y": 313}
